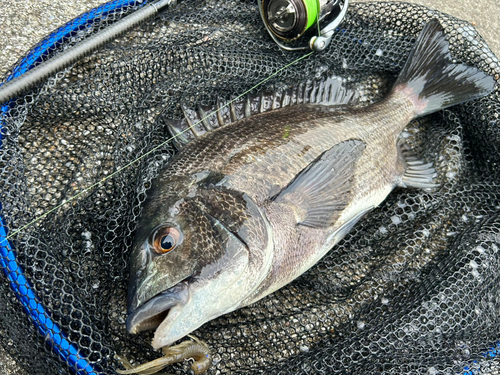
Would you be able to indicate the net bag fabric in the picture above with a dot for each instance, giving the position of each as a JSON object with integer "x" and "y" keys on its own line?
{"x": 414, "y": 288}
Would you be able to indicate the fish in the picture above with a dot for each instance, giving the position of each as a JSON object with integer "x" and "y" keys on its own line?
{"x": 245, "y": 208}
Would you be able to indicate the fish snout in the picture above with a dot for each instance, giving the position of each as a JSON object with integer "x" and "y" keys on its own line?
{"x": 150, "y": 314}
{"x": 141, "y": 257}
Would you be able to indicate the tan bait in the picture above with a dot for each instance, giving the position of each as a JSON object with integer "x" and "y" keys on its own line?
{"x": 196, "y": 350}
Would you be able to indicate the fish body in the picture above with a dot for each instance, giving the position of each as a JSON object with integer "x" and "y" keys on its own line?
{"x": 246, "y": 208}
{"x": 258, "y": 157}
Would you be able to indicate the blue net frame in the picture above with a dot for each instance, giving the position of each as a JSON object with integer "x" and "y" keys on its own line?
{"x": 21, "y": 286}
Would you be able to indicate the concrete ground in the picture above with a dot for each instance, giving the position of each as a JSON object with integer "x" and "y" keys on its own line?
{"x": 25, "y": 22}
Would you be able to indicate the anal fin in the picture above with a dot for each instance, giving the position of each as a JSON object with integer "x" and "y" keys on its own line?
{"x": 417, "y": 173}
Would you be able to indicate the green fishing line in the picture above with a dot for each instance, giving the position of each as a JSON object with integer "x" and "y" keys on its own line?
{"x": 150, "y": 151}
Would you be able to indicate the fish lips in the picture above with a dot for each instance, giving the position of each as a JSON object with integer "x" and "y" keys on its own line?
{"x": 150, "y": 314}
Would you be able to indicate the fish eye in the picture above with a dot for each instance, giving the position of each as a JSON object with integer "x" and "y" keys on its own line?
{"x": 165, "y": 239}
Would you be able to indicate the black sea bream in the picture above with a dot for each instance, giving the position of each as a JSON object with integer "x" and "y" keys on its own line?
{"x": 248, "y": 207}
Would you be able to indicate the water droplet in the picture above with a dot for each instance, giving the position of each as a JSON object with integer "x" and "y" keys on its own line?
{"x": 396, "y": 220}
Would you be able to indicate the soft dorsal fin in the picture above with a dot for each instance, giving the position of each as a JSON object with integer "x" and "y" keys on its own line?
{"x": 330, "y": 91}
{"x": 323, "y": 189}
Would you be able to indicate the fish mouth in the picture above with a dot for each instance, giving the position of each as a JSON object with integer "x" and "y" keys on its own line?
{"x": 150, "y": 315}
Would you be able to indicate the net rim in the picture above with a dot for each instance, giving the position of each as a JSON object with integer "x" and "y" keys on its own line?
{"x": 20, "y": 285}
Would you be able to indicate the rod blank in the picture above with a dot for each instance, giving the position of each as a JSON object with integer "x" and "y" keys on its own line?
{"x": 13, "y": 88}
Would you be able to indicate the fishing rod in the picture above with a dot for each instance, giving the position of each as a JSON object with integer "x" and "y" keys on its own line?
{"x": 22, "y": 83}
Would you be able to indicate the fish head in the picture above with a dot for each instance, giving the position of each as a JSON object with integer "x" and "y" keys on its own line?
{"x": 190, "y": 261}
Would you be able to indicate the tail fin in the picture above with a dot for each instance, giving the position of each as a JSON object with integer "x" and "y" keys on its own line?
{"x": 433, "y": 81}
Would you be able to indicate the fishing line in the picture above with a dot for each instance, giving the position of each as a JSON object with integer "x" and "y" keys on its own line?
{"x": 151, "y": 151}
{"x": 317, "y": 23}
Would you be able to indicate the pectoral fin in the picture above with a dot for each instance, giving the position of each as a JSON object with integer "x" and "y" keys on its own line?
{"x": 322, "y": 190}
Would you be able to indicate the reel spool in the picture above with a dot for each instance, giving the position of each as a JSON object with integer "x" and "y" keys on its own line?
{"x": 288, "y": 20}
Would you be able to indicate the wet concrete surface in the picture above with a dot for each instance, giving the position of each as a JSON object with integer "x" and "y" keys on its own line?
{"x": 25, "y": 22}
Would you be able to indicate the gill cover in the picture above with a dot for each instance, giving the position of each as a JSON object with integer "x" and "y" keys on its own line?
{"x": 220, "y": 256}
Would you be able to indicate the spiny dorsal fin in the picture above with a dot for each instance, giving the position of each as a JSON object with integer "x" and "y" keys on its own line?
{"x": 323, "y": 189}
{"x": 180, "y": 138}
{"x": 204, "y": 119}
{"x": 220, "y": 120}
{"x": 232, "y": 111}
{"x": 330, "y": 91}
{"x": 191, "y": 125}
{"x": 248, "y": 109}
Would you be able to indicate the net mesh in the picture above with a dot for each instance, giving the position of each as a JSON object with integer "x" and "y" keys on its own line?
{"x": 414, "y": 288}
